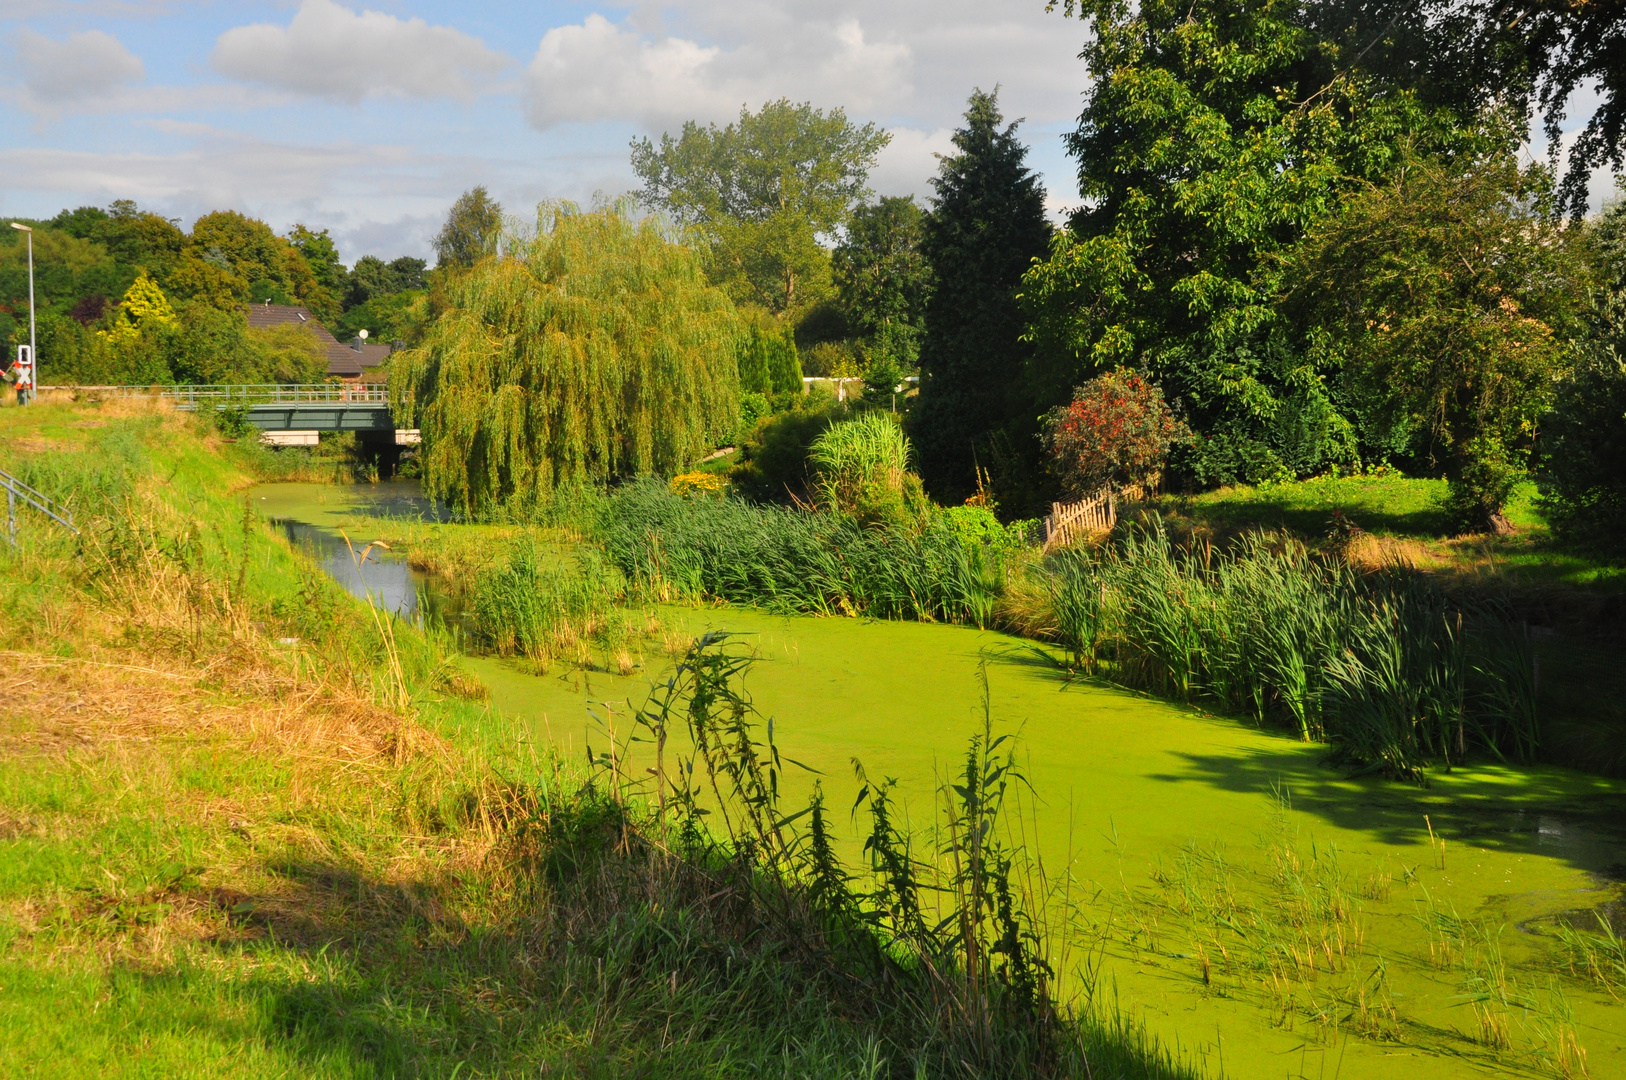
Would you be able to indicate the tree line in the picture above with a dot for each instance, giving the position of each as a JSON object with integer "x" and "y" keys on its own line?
{"x": 125, "y": 295}
{"x": 1308, "y": 241}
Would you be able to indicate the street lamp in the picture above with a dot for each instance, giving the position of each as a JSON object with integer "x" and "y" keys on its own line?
{"x": 33, "y": 346}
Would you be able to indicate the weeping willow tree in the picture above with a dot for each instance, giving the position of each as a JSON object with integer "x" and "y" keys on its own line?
{"x": 594, "y": 351}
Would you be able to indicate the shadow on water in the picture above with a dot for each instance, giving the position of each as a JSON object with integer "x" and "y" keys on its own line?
{"x": 1548, "y": 811}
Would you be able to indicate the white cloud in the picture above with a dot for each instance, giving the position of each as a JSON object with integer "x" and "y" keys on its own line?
{"x": 331, "y": 51}
{"x": 909, "y": 162}
{"x": 602, "y": 71}
{"x": 83, "y": 67}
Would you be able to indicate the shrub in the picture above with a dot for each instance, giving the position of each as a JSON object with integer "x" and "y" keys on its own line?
{"x": 698, "y": 483}
{"x": 768, "y": 362}
{"x": 773, "y": 465}
{"x": 1118, "y": 430}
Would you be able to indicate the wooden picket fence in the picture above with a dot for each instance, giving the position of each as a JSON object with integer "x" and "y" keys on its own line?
{"x": 1072, "y": 521}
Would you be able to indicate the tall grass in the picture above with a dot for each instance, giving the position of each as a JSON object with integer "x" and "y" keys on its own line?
{"x": 1382, "y": 665}
{"x": 543, "y": 602}
{"x": 788, "y": 560}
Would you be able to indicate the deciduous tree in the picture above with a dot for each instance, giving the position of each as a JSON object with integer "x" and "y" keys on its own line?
{"x": 472, "y": 230}
{"x": 761, "y": 192}
{"x": 884, "y": 279}
{"x": 598, "y": 351}
{"x": 1451, "y": 296}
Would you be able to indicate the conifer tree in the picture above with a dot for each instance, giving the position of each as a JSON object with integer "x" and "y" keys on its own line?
{"x": 986, "y": 227}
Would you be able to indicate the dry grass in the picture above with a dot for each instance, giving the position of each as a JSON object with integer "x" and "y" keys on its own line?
{"x": 53, "y": 705}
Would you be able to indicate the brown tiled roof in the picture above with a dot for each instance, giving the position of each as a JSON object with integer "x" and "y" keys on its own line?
{"x": 343, "y": 361}
{"x": 265, "y": 316}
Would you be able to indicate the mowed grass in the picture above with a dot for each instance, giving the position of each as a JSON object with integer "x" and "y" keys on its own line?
{"x": 1407, "y": 519}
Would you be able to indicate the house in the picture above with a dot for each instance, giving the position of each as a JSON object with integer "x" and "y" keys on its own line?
{"x": 356, "y": 361}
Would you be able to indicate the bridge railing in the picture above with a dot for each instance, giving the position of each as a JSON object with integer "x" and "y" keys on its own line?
{"x": 222, "y": 395}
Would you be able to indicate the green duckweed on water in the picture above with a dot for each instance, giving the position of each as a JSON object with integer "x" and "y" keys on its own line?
{"x": 1258, "y": 909}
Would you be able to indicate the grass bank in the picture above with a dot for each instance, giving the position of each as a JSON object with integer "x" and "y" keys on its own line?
{"x": 1387, "y": 517}
{"x": 252, "y": 828}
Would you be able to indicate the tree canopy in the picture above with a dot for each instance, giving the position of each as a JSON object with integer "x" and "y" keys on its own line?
{"x": 1214, "y": 135}
{"x": 596, "y": 351}
{"x": 760, "y": 193}
{"x": 1448, "y": 296}
{"x": 472, "y": 229}
{"x": 883, "y": 277}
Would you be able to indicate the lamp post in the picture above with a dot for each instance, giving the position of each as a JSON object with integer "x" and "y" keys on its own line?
{"x": 33, "y": 345}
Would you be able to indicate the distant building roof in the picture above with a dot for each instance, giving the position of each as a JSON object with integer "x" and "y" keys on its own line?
{"x": 343, "y": 361}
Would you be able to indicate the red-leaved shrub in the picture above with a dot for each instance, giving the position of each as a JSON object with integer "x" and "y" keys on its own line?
{"x": 1118, "y": 430}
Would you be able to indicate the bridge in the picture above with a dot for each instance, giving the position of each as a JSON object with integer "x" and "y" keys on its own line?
{"x": 273, "y": 408}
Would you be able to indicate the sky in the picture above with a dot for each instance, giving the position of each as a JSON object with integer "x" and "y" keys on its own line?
{"x": 369, "y": 118}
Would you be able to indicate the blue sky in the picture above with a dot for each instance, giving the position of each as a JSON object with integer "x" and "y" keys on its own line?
{"x": 368, "y": 119}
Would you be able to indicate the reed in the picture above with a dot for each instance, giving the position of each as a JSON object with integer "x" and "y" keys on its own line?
{"x": 672, "y": 546}
{"x": 1380, "y": 664}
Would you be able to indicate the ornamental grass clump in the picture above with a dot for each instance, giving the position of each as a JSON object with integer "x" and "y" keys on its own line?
{"x": 863, "y": 471}
{"x": 594, "y": 352}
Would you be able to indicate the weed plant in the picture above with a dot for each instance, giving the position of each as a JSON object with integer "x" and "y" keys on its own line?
{"x": 939, "y": 951}
{"x": 1598, "y": 957}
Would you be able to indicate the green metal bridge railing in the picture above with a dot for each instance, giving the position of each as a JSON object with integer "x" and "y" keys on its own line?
{"x": 223, "y": 395}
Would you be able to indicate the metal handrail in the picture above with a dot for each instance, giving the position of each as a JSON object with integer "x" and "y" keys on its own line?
{"x": 221, "y": 395}
{"x": 46, "y": 505}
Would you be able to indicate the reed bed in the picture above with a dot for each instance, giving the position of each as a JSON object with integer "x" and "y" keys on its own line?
{"x": 1381, "y": 664}
{"x": 796, "y": 561}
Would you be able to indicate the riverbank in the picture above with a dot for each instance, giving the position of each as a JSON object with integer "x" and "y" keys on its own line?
{"x": 248, "y": 826}
{"x": 1228, "y": 881}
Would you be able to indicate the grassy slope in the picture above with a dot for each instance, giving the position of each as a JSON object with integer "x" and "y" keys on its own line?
{"x": 1410, "y": 513}
{"x": 243, "y": 833}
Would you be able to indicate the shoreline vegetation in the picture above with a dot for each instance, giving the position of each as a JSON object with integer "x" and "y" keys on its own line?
{"x": 1400, "y": 669}
{"x": 248, "y": 802}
